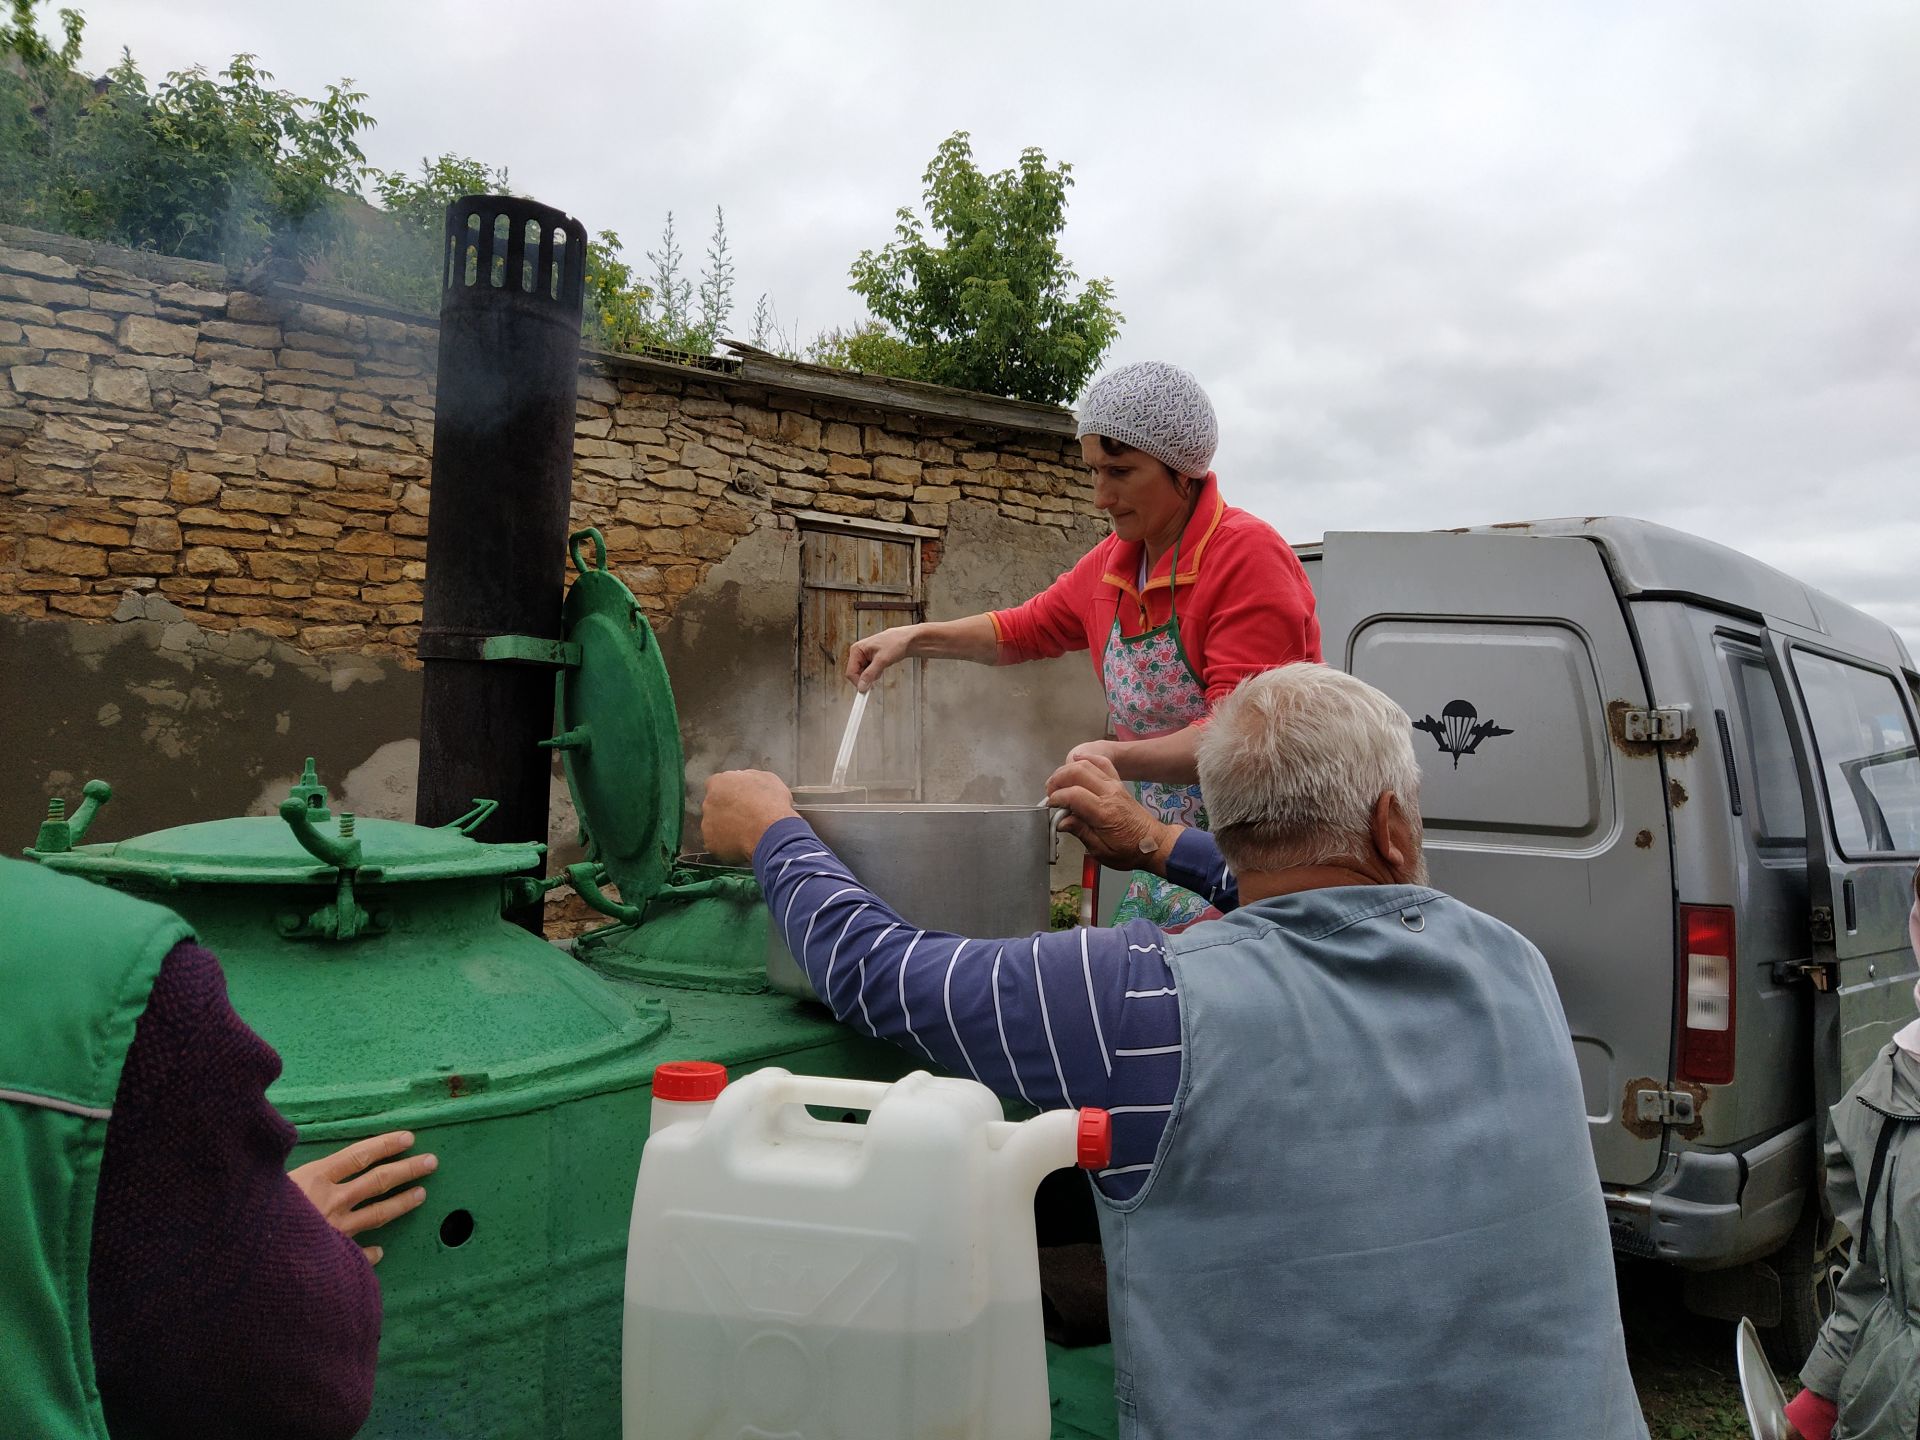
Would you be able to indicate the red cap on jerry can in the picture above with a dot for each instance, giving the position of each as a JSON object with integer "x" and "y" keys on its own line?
{"x": 693, "y": 1080}
{"x": 1096, "y": 1139}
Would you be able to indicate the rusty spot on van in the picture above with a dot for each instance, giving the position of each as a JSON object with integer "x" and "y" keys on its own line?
{"x": 1617, "y": 711}
{"x": 1649, "y": 1129}
{"x": 1644, "y": 840}
{"x": 1676, "y": 794}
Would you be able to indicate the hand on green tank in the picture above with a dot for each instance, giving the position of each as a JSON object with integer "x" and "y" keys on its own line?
{"x": 345, "y": 1186}
{"x": 739, "y": 807}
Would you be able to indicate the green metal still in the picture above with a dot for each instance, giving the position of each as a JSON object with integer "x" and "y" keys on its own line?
{"x": 374, "y": 957}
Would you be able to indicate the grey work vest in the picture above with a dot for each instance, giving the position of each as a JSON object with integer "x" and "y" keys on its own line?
{"x": 1375, "y": 1210}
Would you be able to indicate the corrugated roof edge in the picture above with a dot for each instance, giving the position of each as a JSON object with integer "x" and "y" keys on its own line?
{"x": 759, "y": 369}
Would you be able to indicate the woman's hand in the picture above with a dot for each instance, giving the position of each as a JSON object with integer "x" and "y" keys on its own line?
{"x": 1106, "y": 751}
{"x": 869, "y": 659}
{"x": 341, "y": 1184}
{"x": 1165, "y": 759}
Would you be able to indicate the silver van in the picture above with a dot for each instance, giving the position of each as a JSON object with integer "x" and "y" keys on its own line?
{"x": 1692, "y": 782}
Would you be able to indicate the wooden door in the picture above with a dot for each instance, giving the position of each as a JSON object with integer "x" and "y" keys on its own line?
{"x": 851, "y": 586}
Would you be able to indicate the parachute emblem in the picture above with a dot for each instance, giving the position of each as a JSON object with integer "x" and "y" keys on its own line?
{"x": 1459, "y": 730}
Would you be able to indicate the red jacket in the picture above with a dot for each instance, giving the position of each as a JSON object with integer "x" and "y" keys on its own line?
{"x": 1243, "y": 602}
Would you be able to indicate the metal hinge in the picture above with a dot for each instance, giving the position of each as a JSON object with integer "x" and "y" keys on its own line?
{"x": 1664, "y": 1107}
{"x": 1820, "y": 922}
{"x": 1655, "y": 727}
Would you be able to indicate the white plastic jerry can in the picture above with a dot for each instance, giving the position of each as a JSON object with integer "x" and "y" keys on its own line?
{"x": 811, "y": 1279}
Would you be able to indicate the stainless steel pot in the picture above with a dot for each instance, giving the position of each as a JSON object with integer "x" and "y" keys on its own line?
{"x": 977, "y": 870}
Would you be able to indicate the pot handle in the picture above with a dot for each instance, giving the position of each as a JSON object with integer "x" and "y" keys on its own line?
{"x": 1055, "y": 814}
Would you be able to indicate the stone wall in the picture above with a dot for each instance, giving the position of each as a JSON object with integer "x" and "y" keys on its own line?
{"x": 262, "y": 460}
{"x": 215, "y": 501}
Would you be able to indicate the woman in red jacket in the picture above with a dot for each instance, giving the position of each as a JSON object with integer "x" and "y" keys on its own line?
{"x": 1185, "y": 599}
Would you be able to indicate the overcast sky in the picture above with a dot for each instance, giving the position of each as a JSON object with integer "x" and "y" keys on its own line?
{"x": 1438, "y": 263}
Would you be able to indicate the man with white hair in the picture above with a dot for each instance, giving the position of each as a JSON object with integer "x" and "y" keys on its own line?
{"x": 1351, "y": 1190}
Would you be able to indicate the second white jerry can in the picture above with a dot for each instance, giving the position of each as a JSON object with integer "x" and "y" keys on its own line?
{"x": 818, "y": 1279}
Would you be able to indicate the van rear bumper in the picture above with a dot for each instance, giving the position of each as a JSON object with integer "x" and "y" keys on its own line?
{"x": 1709, "y": 1208}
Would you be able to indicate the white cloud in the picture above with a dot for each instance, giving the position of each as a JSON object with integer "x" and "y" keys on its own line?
{"x": 1439, "y": 265}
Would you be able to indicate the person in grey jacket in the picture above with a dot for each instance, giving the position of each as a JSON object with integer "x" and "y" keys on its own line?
{"x": 1351, "y": 1191}
{"x": 1863, "y": 1378}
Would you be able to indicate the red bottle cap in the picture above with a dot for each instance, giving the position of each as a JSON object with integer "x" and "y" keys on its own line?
{"x": 1096, "y": 1139}
{"x": 694, "y": 1080}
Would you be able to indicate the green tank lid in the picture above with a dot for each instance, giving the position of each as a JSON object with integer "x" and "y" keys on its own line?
{"x": 305, "y": 843}
{"x": 619, "y": 738}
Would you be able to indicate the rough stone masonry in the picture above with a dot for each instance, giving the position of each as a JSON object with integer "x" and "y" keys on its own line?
{"x": 262, "y": 459}
{"x": 212, "y": 493}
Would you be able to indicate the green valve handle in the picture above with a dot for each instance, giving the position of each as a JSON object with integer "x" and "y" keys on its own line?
{"x": 587, "y": 877}
{"x": 343, "y": 851}
{"x": 58, "y": 834}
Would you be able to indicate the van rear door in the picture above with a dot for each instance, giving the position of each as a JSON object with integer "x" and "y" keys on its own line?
{"x": 1853, "y": 738}
{"x": 1513, "y": 656}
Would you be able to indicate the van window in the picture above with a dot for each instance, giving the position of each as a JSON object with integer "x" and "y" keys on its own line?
{"x": 1772, "y": 773}
{"x": 1868, "y": 761}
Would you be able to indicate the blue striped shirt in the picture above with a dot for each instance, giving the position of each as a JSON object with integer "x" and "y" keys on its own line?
{"x": 1061, "y": 1018}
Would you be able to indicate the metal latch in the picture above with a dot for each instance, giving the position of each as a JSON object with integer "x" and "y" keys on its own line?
{"x": 1664, "y": 1107}
{"x": 1655, "y": 727}
{"x": 531, "y": 650}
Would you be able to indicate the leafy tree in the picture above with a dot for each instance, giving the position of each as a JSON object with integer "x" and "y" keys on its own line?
{"x": 40, "y": 96}
{"x": 395, "y": 252}
{"x": 226, "y": 167}
{"x": 619, "y": 310}
{"x": 210, "y": 167}
{"x": 22, "y": 39}
{"x": 422, "y": 201}
{"x": 981, "y": 297}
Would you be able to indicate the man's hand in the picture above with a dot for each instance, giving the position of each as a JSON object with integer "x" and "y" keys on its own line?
{"x": 340, "y": 1190}
{"x": 739, "y": 808}
{"x": 1103, "y": 815}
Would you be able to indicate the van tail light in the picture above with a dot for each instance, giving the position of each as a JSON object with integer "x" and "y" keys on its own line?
{"x": 1707, "y": 995}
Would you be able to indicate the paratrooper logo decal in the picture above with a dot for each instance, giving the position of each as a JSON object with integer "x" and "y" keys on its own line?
{"x": 1459, "y": 730}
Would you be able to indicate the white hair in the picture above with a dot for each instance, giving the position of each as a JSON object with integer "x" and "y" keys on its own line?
{"x": 1293, "y": 763}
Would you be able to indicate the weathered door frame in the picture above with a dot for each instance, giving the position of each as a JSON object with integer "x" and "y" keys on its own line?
{"x": 822, "y": 522}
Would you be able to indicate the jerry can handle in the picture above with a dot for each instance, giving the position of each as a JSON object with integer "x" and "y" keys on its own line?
{"x": 830, "y": 1090}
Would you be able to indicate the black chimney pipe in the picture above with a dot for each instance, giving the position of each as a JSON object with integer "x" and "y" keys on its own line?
{"x": 513, "y": 281}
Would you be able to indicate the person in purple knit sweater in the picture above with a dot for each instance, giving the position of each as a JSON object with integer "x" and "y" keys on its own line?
{"x": 227, "y": 1296}
{"x": 162, "y": 1275}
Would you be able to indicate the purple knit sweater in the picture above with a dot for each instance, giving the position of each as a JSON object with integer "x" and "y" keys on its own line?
{"x": 223, "y": 1304}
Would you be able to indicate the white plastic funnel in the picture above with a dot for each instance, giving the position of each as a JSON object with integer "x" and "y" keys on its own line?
{"x": 845, "y": 757}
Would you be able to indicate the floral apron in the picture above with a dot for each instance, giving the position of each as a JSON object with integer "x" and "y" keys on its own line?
{"x": 1152, "y": 691}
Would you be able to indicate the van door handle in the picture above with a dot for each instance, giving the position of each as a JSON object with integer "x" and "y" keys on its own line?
{"x": 1848, "y": 904}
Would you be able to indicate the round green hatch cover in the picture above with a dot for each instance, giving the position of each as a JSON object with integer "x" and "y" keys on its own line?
{"x": 307, "y": 842}
{"x": 619, "y": 732}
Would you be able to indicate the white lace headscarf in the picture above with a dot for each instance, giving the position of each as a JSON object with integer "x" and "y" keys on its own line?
{"x": 1156, "y": 408}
